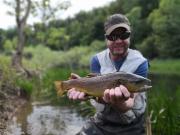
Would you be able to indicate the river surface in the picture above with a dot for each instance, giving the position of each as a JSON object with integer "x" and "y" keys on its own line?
{"x": 46, "y": 120}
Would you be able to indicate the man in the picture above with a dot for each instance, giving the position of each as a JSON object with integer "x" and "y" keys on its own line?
{"x": 119, "y": 112}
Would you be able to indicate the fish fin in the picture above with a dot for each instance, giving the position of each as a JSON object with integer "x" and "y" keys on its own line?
{"x": 59, "y": 87}
{"x": 92, "y": 75}
{"x": 74, "y": 76}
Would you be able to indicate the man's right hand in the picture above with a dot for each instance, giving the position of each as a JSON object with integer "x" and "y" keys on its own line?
{"x": 76, "y": 95}
{"x": 73, "y": 93}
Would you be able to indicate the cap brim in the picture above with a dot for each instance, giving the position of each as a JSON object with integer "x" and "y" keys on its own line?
{"x": 110, "y": 29}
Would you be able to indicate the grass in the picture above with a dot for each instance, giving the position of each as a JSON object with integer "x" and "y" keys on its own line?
{"x": 164, "y": 104}
{"x": 169, "y": 66}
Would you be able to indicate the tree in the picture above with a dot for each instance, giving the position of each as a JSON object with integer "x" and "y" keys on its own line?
{"x": 21, "y": 12}
{"x": 46, "y": 11}
{"x": 21, "y": 9}
{"x": 58, "y": 39}
{"x": 165, "y": 24}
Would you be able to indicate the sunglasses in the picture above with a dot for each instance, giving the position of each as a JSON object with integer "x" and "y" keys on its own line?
{"x": 114, "y": 37}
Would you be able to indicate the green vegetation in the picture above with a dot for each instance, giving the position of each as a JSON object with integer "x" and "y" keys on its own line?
{"x": 7, "y": 75}
{"x": 14, "y": 83}
{"x": 155, "y": 29}
{"x": 164, "y": 104}
{"x": 168, "y": 66}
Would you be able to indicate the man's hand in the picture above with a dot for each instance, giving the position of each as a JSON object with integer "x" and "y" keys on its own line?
{"x": 73, "y": 93}
{"x": 120, "y": 98}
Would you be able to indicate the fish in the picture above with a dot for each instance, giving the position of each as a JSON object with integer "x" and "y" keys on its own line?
{"x": 95, "y": 85}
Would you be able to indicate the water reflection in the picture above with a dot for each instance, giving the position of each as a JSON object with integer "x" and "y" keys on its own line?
{"x": 51, "y": 120}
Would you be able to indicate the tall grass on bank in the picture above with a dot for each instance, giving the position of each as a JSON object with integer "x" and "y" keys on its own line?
{"x": 169, "y": 66}
{"x": 164, "y": 104}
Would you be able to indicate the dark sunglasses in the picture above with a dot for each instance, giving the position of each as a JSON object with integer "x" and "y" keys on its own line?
{"x": 114, "y": 37}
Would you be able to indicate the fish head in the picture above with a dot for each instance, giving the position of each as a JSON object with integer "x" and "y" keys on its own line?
{"x": 142, "y": 84}
{"x": 136, "y": 83}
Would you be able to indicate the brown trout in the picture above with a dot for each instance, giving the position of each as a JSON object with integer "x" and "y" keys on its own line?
{"x": 95, "y": 86}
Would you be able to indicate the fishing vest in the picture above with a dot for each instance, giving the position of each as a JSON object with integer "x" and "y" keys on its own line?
{"x": 104, "y": 111}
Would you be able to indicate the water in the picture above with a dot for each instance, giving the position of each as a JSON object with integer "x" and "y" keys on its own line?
{"x": 46, "y": 120}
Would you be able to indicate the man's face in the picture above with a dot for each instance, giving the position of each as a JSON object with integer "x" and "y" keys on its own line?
{"x": 118, "y": 46}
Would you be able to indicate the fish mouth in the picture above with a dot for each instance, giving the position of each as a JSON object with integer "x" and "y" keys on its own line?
{"x": 147, "y": 86}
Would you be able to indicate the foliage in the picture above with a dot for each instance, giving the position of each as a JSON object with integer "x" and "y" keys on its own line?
{"x": 41, "y": 57}
{"x": 85, "y": 109}
{"x": 134, "y": 17}
{"x": 148, "y": 47}
{"x": 7, "y": 75}
{"x": 164, "y": 104}
{"x": 75, "y": 56}
{"x": 57, "y": 39}
{"x": 8, "y": 46}
{"x": 25, "y": 85}
{"x": 168, "y": 66}
{"x": 97, "y": 45}
{"x": 165, "y": 21}
{"x": 46, "y": 10}
{"x": 13, "y": 82}
{"x": 155, "y": 29}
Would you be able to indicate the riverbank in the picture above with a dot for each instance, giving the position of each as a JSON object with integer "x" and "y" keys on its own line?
{"x": 9, "y": 107}
{"x": 168, "y": 66}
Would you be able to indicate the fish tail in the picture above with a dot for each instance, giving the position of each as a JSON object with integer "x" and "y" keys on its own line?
{"x": 59, "y": 87}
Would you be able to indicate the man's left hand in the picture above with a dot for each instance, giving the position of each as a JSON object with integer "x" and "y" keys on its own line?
{"x": 119, "y": 97}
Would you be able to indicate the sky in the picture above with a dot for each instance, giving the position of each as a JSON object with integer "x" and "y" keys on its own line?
{"x": 7, "y": 21}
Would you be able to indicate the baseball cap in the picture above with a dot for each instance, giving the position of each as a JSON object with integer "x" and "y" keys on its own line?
{"x": 115, "y": 21}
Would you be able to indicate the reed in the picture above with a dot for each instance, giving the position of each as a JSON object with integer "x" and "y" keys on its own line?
{"x": 164, "y": 104}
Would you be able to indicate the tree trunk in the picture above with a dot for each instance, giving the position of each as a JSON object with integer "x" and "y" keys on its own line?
{"x": 17, "y": 56}
{"x": 21, "y": 22}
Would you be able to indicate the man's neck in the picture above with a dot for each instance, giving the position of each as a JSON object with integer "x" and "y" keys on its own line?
{"x": 118, "y": 57}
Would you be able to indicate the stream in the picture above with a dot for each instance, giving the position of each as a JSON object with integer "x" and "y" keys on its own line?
{"x": 45, "y": 119}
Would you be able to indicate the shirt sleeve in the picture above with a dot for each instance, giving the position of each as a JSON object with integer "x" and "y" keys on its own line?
{"x": 95, "y": 65}
{"x": 142, "y": 70}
